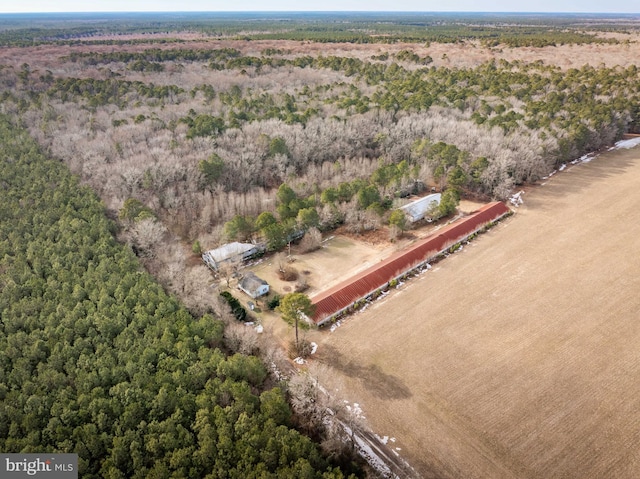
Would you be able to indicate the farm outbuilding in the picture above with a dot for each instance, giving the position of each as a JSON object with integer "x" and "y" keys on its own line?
{"x": 333, "y": 302}
{"x": 253, "y": 285}
{"x": 419, "y": 209}
{"x": 231, "y": 252}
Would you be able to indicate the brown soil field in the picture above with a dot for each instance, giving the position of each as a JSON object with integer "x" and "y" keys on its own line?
{"x": 518, "y": 356}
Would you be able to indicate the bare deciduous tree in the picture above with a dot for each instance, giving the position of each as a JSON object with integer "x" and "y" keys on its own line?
{"x": 228, "y": 269}
{"x": 240, "y": 338}
{"x": 146, "y": 235}
{"x": 311, "y": 241}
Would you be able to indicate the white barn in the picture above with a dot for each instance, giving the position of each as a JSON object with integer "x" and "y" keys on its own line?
{"x": 419, "y": 209}
{"x": 230, "y": 252}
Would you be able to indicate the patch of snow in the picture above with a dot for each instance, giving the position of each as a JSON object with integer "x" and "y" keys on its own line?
{"x": 385, "y": 439}
{"x": 299, "y": 360}
{"x": 335, "y": 326}
{"x": 259, "y": 329}
{"x": 314, "y": 348}
{"x": 248, "y": 323}
{"x": 393, "y": 439}
{"x": 626, "y": 144}
{"x": 622, "y": 144}
{"x": 516, "y": 199}
{"x": 356, "y": 410}
{"x": 584, "y": 159}
{"x": 370, "y": 456}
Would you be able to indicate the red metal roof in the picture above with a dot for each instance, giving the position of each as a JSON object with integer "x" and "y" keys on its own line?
{"x": 344, "y": 294}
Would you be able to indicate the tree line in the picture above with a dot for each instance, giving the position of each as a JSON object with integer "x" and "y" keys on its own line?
{"x": 522, "y": 30}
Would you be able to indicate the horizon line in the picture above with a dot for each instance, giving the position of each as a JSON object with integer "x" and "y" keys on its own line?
{"x": 323, "y": 11}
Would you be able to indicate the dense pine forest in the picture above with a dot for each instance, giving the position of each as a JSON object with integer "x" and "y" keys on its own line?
{"x": 99, "y": 360}
{"x": 132, "y": 142}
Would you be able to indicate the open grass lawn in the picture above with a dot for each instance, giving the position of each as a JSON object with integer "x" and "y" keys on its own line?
{"x": 518, "y": 357}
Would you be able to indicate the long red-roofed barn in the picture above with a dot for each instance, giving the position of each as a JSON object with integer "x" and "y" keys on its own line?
{"x": 333, "y": 302}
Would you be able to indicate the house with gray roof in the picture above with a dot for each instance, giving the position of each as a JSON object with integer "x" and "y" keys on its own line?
{"x": 253, "y": 286}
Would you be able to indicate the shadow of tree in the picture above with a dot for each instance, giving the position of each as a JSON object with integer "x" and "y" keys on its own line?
{"x": 383, "y": 385}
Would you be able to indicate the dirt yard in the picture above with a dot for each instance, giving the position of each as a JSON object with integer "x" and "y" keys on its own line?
{"x": 340, "y": 257}
{"x": 323, "y": 267}
{"x": 518, "y": 356}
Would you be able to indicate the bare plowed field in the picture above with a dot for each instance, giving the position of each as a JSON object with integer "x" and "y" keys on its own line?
{"x": 518, "y": 357}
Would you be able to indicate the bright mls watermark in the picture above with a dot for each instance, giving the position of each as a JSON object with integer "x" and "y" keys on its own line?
{"x": 46, "y": 466}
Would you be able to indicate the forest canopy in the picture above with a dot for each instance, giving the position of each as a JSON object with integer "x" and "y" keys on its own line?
{"x": 516, "y": 29}
{"x": 99, "y": 360}
{"x": 189, "y": 133}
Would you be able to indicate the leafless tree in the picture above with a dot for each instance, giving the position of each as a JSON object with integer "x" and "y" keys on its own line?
{"x": 302, "y": 284}
{"x": 240, "y": 338}
{"x": 228, "y": 269}
{"x": 146, "y": 235}
{"x": 221, "y": 307}
{"x": 311, "y": 241}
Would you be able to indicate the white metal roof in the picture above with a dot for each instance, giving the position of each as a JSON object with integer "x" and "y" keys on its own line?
{"x": 417, "y": 209}
{"x": 229, "y": 250}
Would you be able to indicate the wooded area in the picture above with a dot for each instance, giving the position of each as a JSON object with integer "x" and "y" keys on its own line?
{"x": 198, "y": 154}
{"x": 99, "y": 360}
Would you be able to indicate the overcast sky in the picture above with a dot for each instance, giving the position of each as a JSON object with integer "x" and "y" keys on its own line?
{"x": 598, "y": 6}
